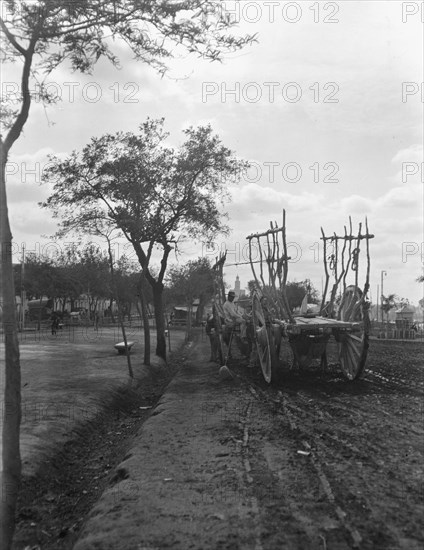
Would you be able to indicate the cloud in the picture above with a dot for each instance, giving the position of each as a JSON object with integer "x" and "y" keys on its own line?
{"x": 29, "y": 223}
{"x": 368, "y": 133}
{"x": 413, "y": 153}
{"x": 24, "y": 175}
{"x": 355, "y": 204}
{"x": 407, "y": 198}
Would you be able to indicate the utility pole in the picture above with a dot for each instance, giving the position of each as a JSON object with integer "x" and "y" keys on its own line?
{"x": 23, "y": 289}
{"x": 378, "y": 297}
{"x": 382, "y": 294}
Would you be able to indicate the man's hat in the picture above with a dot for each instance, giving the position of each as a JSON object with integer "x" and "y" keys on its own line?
{"x": 231, "y": 293}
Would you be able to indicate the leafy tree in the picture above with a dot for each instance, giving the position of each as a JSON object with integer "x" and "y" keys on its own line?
{"x": 156, "y": 196}
{"x": 42, "y": 35}
{"x": 251, "y": 285}
{"x": 68, "y": 283}
{"x": 181, "y": 291}
{"x": 193, "y": 280}
{"x": 203, "y": 280}
{"x": 39, "y": 278}
{"x": 126, "y": 284}
{"x": 388, "y": 303}
{"x": 66, "y": 277}
{"x": 131, "y": 288}
{"x": 118, "y": 302}
{"x": 296, "y": 291}
{"x": 93, "y": 272}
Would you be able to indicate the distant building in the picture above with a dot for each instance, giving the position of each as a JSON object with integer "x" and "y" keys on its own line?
{"x": 179, "y": 315}
{"x": 404, "y": 317}
{"x": 238, "y": 291}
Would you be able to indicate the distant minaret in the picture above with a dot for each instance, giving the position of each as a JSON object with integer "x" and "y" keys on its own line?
{"x": 237, "y": 287}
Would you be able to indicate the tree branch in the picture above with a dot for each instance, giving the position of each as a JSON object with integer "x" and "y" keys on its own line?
{"x": 17, "y": 126}
{"x": 12, "y": 38}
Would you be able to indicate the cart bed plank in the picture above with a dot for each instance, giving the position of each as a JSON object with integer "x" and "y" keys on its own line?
{"x": 320, "y": 322}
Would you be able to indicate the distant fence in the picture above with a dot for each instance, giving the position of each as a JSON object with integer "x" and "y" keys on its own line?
{"x": 390, "y": 331}
{"x": 398, "y": 334}
{"x": 67, "y": 323}
{"x": 75, "y": 332}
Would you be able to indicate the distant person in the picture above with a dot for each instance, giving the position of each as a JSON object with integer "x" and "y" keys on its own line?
{"x": 212, "y": 334}
{"x": 55, "y": 323}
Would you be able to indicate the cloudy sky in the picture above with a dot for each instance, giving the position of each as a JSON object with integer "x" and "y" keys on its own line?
{"x": 327, "y": 106}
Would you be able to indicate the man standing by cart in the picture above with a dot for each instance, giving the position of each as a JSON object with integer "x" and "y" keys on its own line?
{"x": 232, "y": 315}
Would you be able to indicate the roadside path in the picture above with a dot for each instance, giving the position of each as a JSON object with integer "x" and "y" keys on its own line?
{"x": 239, "y": 465}
{"x": 183, "y": 484}
{"x": 213, "y": 468}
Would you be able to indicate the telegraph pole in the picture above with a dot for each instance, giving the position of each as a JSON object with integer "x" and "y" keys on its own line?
{"x": 378, "y": 297}
{"x": 382, "y": 294}
{"x": 23, "y": 288}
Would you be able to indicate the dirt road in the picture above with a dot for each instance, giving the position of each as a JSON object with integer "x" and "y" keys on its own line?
{"x": 312, "y": 462}
{"x": 344, "y": 461}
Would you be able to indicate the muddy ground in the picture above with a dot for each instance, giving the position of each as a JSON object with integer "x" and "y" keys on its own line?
{"x": 319, "y": 462}
{"x": 354, "y": 477}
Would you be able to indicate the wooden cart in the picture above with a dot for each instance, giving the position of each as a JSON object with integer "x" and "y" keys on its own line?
{"x": 343, "y": 316}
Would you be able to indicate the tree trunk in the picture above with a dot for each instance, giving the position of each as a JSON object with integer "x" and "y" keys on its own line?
{"x": 146, "y": 325}
{"x": 112, "y": 317}
{"x": 118, "y": 303}
{"x": 128, "y": 308}
{"x": 40, "y": 312}
{"x": 11, "y": 471}
{"x": 157, "y": 288}
{"x": 200, "y": 311}
{"x": 160, "y": 320}
{"x": 124, "y": 336}
{"x": 189, "y": 317}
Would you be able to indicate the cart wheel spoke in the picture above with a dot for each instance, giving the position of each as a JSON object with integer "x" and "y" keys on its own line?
{"x": 353, "y": 356}
{"x": 353, "y": 346}
{"x": 220, "y": 339}
{"x": 264, "y": 339}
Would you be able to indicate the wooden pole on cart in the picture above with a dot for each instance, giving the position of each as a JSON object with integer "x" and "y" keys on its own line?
{"x": 349, "y": 254}
{"x": 327, "y": 276}
{"x": 285, "y": 259}
{"x": 367, "y": 279}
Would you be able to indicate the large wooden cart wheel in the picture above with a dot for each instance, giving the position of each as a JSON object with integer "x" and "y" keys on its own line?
{"x": 353, "y": 345}
{"x": 219, "y": 334}
{"x": 264, "y": 338}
